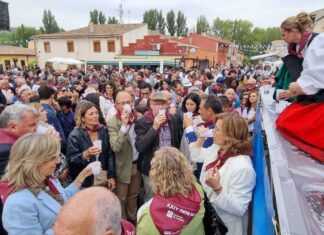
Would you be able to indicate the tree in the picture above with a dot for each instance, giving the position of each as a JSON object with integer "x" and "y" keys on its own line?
{"x": 50, "y": 24}
{"x": 202, "y": 25}
{"x": 170, "y": 22}
{"x": 19, "y": 37}
{"x": 101, "y": 18}
{"x": 182, "y": 29}
{"x": 161, "y": 23}
{"x": 150, "y": 17}
{"x": 112, "y": 20}
{"x": 97, "y": 17}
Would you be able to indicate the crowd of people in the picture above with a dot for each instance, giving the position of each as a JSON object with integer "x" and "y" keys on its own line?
{"x": 154, "y": 141}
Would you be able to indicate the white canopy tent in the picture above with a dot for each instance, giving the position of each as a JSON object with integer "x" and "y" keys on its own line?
{"x": 62, "y": 60}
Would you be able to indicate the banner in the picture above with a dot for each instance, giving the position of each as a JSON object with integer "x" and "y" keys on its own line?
{"x": 263, "y": 211}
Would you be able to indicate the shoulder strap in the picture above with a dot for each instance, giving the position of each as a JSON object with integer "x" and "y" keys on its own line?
{"x": 311, "y": 38}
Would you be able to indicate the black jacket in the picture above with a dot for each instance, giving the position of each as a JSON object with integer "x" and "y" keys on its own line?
{"x": 147, "y": 140}
{"x": 78, "y": 142}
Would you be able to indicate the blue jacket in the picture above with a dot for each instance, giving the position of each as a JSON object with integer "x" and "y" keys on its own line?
{"x": 26, "y": 214}
{"x": 191, "y": 137}
{"x": 52, "y": 119}
{"x": 67, "y": 121}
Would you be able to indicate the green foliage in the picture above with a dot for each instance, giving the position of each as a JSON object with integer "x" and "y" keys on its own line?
{"x": 112, "y": 20}
{"x": 170, "y": 22}
{"x": 97, "y": 17}
{"x": 182, "y": 29}
{"x": 202, "y": 25}
{"x": 50, "y": 24}
{"x": 19, "y": 37}
{"x": 94, "y": 16}
{"x": 161, "y": 23}
{"x": 151, "y": 18}
{"x": 101, "y": 18}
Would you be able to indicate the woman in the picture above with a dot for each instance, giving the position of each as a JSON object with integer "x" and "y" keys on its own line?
{"x": 233, "y": 98}
{"x": 106, "y": 100}
{"x": 81, "y": 150}
{"x": 190, "y": 107}
{"x": 249, "y": 112}
{"x": 302, "y": 122}
{"x": 36, "y": 196}
{"x": 227, "y": 174}
{"x": 177, "y": 206}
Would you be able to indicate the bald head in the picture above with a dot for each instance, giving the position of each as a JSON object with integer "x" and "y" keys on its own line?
{"x": 122, "y": 95}
{"x": 92, "y": 211}
{"x": 123, "y": 98}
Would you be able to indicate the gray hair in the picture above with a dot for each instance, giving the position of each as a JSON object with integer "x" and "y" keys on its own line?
{"x": 108, "y": 216}
{"x": 15, "y": 113}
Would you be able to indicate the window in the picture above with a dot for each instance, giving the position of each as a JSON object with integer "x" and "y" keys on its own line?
{"x": 47, "y": 47}
{"x": 96, "y": 46}
{"x": 70, "y": 46}
{"x": 22, "y": 62}
{"x": 111, "y": 46}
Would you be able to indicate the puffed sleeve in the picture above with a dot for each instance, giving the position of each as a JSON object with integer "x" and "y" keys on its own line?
{"x": 311, "y": 79}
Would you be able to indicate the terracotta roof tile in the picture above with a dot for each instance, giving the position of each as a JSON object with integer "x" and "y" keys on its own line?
{"x": 10, "y": 50}
{"x": 93, "y": 30}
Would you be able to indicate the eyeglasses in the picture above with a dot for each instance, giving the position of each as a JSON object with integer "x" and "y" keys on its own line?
{"x": 125, "y": 102}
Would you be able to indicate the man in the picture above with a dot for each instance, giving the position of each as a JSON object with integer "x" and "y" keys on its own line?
{"x": 217, "y": 88}
{"x": 46, "y": 95}
{"x": 154, "y": 130}
{"x": 178, "y": 94}
{"x": 139, "y": 78}
{"x": 250, "y": 85}
{"x": 15, "y": 121}
{"x": 24, "y": 92}
{"x": 216, "y": 73}
{"x": 122, "y": 140}
{"x": 65, "y": 115}
{"x": 141, "y": 104}
{"x": 7, "y": 91}
{"x": 92, "y": 211}
{"x": 209, "y": 107}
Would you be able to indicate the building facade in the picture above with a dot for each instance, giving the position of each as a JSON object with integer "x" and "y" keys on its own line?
{"x": 15, "y": 56}
{"x": 92, "y": 43}
{"x": 318, "y": 19}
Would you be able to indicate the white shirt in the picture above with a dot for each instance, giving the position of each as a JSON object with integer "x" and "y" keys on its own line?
{"x": 237, "y": 178}
{"x": 311, "y": 79}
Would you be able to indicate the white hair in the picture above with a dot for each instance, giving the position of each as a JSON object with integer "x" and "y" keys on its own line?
{"x": 15, "y": 113}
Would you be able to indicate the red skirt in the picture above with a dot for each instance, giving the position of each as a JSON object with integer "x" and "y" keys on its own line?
{"x": 303, "y": 126}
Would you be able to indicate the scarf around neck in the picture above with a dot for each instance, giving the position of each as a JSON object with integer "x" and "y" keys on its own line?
{"x": 303, "y": 42}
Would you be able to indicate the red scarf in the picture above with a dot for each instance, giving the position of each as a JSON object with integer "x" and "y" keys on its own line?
{"x": 220, "y": 160}
{"x": 172, "y": 214}
{"x": 292, "y": 47}
{"x": 134, "y": 113}
{"x": 104, "y": 94}
{"x": 95, "y": 129}
{"x": 51, "y": 185}
{"x": 127, "y": 228}
{"x": 150, "y": 116}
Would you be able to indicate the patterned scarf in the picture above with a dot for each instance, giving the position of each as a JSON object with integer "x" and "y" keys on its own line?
{"x": 292, "y": 47}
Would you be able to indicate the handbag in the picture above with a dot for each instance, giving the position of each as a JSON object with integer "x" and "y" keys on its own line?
{"x": 213, "y": 224}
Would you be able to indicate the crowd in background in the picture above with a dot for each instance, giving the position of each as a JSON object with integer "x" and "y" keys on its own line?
{"x": 134, "y": 113}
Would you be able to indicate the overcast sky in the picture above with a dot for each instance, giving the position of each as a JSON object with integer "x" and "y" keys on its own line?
{"x": 72, "y": 14}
